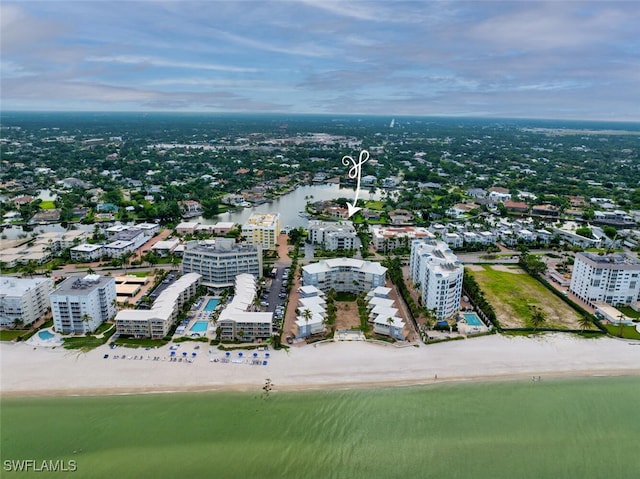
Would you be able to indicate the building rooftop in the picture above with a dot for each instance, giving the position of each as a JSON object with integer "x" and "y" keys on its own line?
{"x": 82, "y": 285}
{"x": 262, "y": 219}
{"x": 87, "y": 247}
{"x": 614, "y": 258}
{"x": 12, "y": 286}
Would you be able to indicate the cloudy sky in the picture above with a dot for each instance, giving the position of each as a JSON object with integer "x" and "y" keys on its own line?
{"x": 562, "y": 59}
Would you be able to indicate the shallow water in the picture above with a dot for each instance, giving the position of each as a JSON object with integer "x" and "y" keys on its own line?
{"x": 582, "y": 428}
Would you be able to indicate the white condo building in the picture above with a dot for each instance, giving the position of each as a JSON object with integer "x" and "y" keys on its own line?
{"x": 239, "y": 320}
{"x": 333, "y": 235}
{"x": 344, "y": 274}
{"x": 438, "y": 272}
{"x": 613, "y": 279}
{"x": 220, "y": 260}
{"x": 389, "y": 238}
{"x": 157, "y": 321}
{"x": 262, "y": 229}
{"x": 81, "y": 304}
{"x": 24, "y": 300}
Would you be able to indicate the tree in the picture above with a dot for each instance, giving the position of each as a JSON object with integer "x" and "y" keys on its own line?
{"x": 537, "y": 317}
{"x": 584, "y": 322}
{"x": 307, "y": 315}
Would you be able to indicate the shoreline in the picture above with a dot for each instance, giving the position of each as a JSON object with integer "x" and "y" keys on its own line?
{"x": 66, "y": 393}
{"x": 31, "y": 371}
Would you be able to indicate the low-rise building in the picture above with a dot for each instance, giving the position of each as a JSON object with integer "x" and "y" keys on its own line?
{"x": 344, "y": 274}
{"x": 157, "y": 321}
{"x": 187, "y": 227}
{"x": 87, "y": 252}
{"x": 23, "y": 301}
{"x": 166, "y": 247}
{"x": 239, "y": 320}
{"x": 389, "y": 238}
{"x": 333, "y": 235}
{"x": 117, "y": 249}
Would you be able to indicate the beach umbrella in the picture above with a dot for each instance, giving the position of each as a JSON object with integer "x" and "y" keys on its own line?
{"x": 184, "y": 353}
{"x": 240, "y": 354}
{"x": 193, "y": 354}
{"x": 227, "y": 354}
{"x": 173, "y": 353}
{"x": 266, "y": 355}
{"x": 255, "y": 355}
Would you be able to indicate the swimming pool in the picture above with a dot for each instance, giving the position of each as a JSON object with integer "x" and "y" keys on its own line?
{"x": 211, "y": 304}
{"x": 45, "y": 335}
{"x": 199, "y": 327}
{"x": 472, "y": 319}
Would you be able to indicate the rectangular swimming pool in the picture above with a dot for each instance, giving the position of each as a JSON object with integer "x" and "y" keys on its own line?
{"x": 211, "y": 304}
{"x": 199, "y": 327}
{"x": 472, "y": 319}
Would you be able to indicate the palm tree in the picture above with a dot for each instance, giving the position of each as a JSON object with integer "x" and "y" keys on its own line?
{"x": 537, "y": 318}
{"x": 389, "y": 323}
{"x": 584, "y": 322}
{"x": 307, "y": 315}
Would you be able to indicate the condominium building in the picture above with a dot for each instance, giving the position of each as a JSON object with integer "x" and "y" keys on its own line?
{"x": 344, "y": 274}
{"x": 333, "y": 235}
{"x": 262, "y": 229}
{"x": 312, "y": 312}
{"x": 613, "y": 278}
{"x": 81, "y": 304}
{"x": 156, "y": 322}
{"x": 22, "y": 300}
{"x": 389, "y": 238}
{"x": 436, "y": 270}
{"x": 87, "y": 252}
{"x": 220, "y": 260}
{"x": 240, "y": 320}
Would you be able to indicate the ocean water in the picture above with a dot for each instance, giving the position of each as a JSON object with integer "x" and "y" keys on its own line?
{"x": 579, "y": 428}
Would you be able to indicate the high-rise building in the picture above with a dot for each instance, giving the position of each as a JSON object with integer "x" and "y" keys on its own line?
{"x": 81, "y": 304}
{"x": 220, "y": 260}
{"x": 22, "y": 300}
{"x": 438, "y": 273}
{"x": 262, "y": 229}
{"x": 613, "y": 278}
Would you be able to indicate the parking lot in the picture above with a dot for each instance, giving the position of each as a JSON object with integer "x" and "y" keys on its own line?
{"x": 274, "y": 299}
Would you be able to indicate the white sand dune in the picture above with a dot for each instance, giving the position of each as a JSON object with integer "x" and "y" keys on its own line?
{"x": 32, "y": 371}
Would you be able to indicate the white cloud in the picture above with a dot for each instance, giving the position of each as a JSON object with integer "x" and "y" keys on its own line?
{"x": 159, "y": 62}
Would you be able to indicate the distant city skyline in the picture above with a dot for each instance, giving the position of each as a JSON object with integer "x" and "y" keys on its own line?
{"x": 517, "y": 59}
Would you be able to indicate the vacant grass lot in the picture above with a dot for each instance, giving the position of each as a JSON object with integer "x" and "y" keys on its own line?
{"x": 514, "y": 295}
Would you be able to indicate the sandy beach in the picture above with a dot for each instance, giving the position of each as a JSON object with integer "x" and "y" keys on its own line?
{"x": 29, "y": 370}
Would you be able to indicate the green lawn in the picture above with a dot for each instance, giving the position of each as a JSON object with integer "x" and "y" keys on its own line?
{"x": 503, "y": 430}
{"x": 47, "y": 205}
{"x": 627, "y": 311}
{"x": 514, "y": 295}
{"x": 628, "y": 332}
{"x": 11, "y": 334}
{"x": 89, "y": 342}
{"x": 374, "y": 205}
